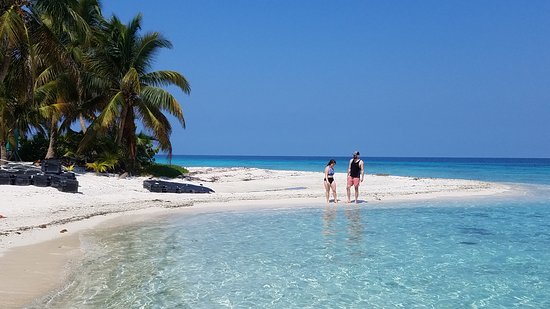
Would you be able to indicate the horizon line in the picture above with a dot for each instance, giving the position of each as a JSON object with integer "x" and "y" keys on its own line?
{"x": 328, "y": 156}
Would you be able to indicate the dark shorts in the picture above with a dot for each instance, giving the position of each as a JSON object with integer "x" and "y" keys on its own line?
{"x": 330, "y": 179}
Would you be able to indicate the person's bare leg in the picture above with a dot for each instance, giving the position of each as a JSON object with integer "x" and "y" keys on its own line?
{"x": 356, "y": 193}
{"x": 327, "y": 191}
{"x": 333, "y": 186}
{"x": 349, "y": 193}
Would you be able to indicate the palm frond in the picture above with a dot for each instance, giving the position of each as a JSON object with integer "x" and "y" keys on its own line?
{"x": 130, "y": 82}
{"x": 54, "y": 111}
{"x": 102, "y": 122}
{"x": 12, "y": 27}
{"x": 147, "y": 47}
{"x": 160, "y": 126}
{"x": 110, "y": 113}
{"x": 158, "y": 98}
{"x": 47, "y": 93}
{"x": 167, "y": 78}
{"x": 46, "y": 76}
{"x": 69, "y": 21}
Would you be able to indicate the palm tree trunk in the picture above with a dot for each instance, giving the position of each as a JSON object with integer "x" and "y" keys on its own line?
{"x": 132, "y": 147}
{"x": 3, "y": 152}
{"x": 131, "y": 142}
{"x": 121, "y": 127}
{"x": 53, "y": 141}
{"x": 82, "y": 123}
{"x": 80, "y": 95}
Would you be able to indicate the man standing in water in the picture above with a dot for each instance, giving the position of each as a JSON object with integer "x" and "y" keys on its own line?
{"x": 356, "y": 173}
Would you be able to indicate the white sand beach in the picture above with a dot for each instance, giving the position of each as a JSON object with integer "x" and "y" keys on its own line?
{"x": 40, "y": 226}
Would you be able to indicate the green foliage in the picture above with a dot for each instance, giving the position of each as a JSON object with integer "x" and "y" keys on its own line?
{"x": 165, "y": 170}
{"x": 33, "y": 149}
{"x": 146, "y": 151}
{"x": 69, "y": 168}
{"x": 64, "y": 64}
{"x": 133, "y": 93}
{"x": 67, "y": 145}
{"x": 103, "y": 165}
{"x": 106, "y": 151}
{"x": 98, "y": 167}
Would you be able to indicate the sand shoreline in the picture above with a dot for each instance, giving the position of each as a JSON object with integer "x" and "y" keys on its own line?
{"x": 35, "y": 217}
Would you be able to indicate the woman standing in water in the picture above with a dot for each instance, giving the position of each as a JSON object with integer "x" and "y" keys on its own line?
{"x": 329, "y": 181}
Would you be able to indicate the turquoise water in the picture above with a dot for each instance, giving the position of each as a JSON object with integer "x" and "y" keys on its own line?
{"x": 505, "y": 170}
{"x": 452, "y": 254}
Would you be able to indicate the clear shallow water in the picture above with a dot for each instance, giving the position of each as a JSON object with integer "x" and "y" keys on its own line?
{"x": 490, "y": 253}
{"x": 464, "y": 256}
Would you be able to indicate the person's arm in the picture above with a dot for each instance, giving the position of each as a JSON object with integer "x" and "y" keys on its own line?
{"x": 326, "y": 173}
{"x": 349, "y": 167}
{"x": 362, "y": 164}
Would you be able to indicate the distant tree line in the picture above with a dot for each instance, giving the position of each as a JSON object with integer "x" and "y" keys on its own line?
{"x": 63, "y": 65}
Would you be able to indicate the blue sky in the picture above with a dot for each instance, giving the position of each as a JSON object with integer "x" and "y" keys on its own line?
{"x": 390, "y": 78}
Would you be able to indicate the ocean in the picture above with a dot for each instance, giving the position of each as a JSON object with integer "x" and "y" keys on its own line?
{"x": 482, "y": 253}
{"x": 487, "y": 169}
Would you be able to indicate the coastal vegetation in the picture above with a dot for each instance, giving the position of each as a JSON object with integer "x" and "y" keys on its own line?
{"x": 79, "y": 86}
{"x": 166, "y": 170}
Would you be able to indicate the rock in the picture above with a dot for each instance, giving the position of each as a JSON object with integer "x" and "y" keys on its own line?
{"x": 63, "y": 231}
{"x": 42, "y": 226}
{"x": 2, "y": 217}
{"x": 123, "y": 175}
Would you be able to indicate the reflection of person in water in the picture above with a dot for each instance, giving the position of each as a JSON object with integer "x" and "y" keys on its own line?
{"x": 355, "y": 226}
{"x": 328, "y": 219}
{"x": 330, "y": 233}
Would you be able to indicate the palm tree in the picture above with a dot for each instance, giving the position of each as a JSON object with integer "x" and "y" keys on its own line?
{"x": 14, "y": 51}
{"x": 28, "y": 41}
{"x": 77, "y": 44}
{"x": 14, "y": 33}
{"x": 70, "y": 32}
{"x": 6, "y": 119}
{"x": 124, "y": 62}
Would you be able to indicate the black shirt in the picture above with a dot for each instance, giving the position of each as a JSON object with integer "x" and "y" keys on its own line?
{"x": 355, "y": 170}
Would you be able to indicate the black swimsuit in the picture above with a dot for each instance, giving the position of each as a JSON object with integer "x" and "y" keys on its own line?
{"x": 330, "y": 177}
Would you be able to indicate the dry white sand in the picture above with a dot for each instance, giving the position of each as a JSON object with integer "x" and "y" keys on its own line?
{"x": 31, "y": 215}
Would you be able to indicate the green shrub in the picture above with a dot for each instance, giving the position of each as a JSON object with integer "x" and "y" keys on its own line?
{"x": 165, "y": 170}
{"x": 101, "y": 166}
{"x": 33, "y": 148}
